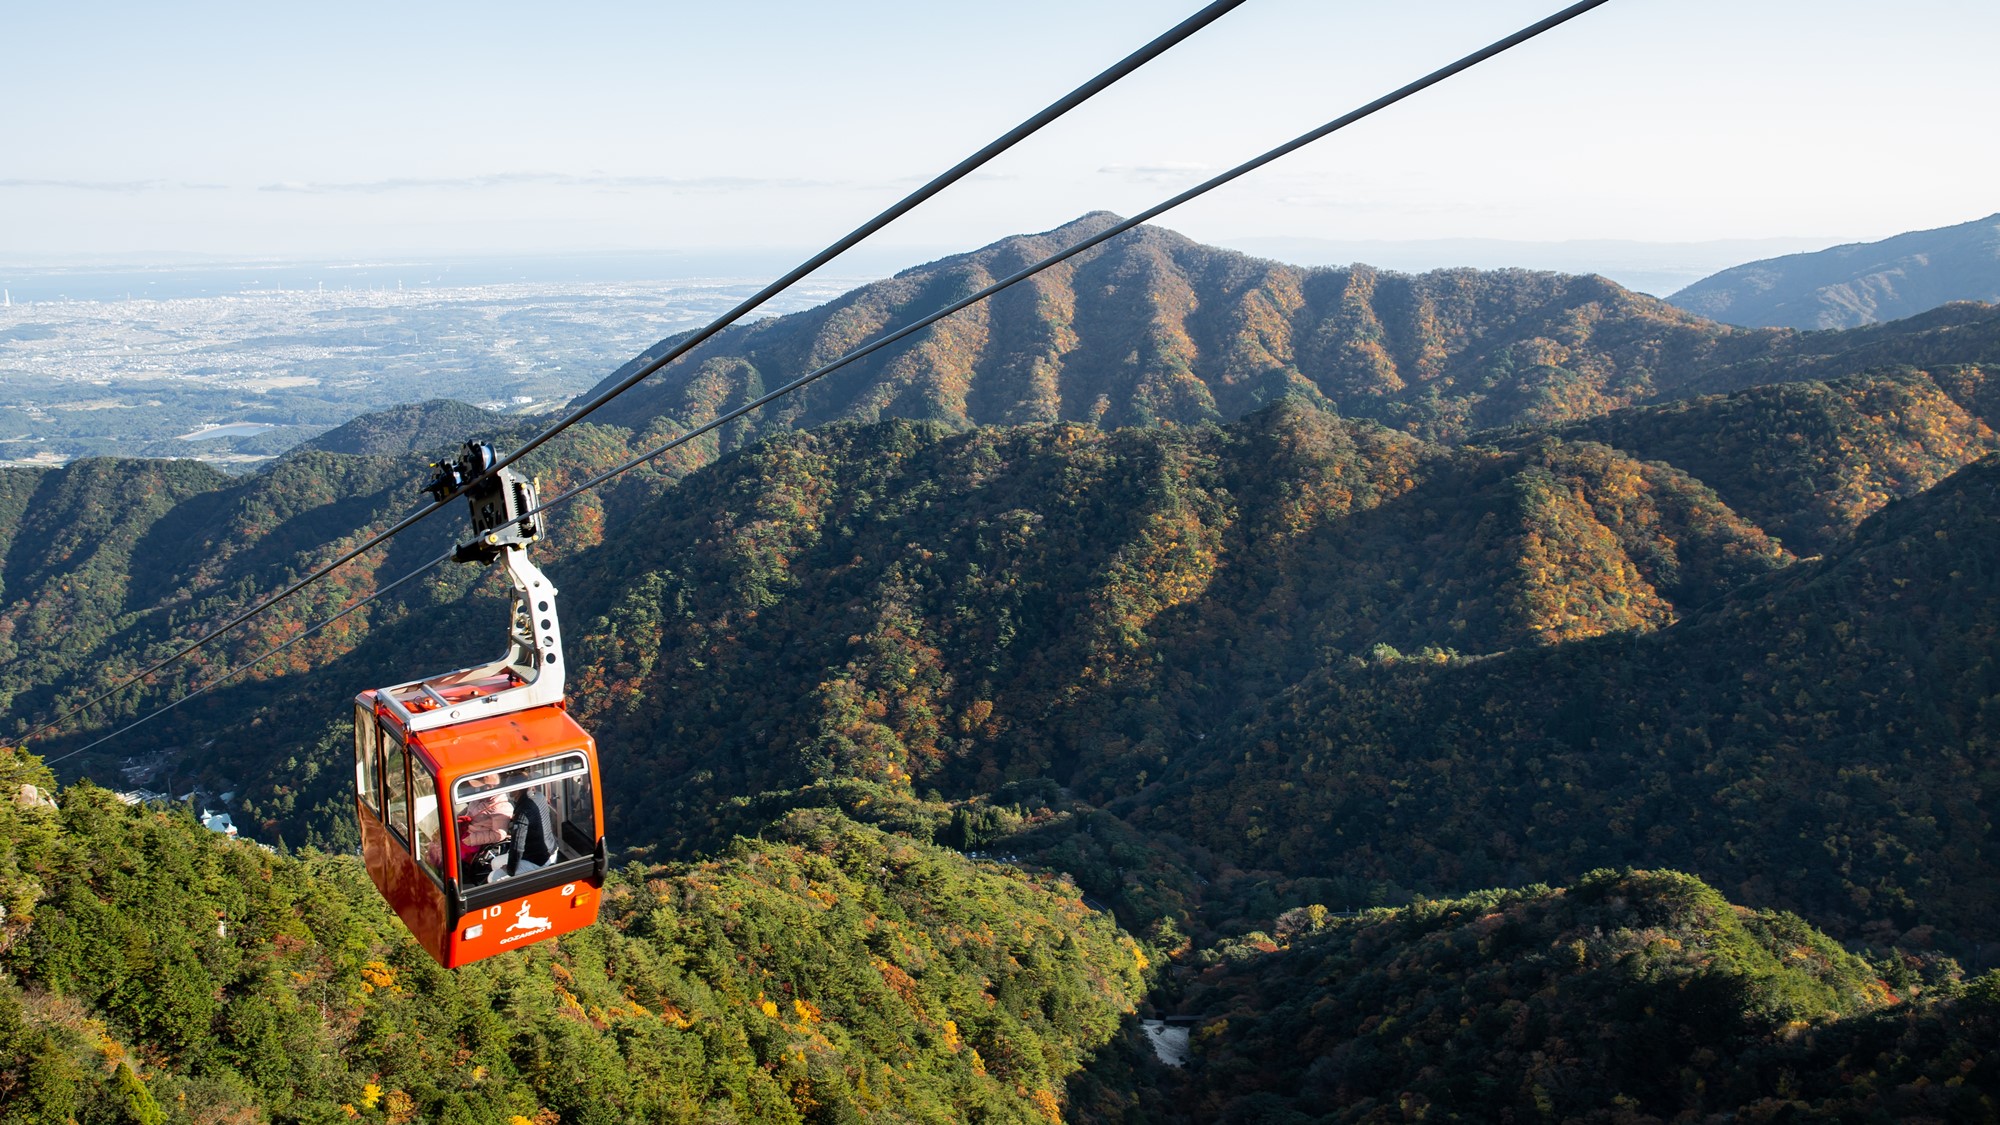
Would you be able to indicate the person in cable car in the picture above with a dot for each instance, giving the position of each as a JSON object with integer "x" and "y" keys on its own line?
{"x": 532, "y": 835}
{"x": 481, "y": 821}
{"x": 482, "y": 828}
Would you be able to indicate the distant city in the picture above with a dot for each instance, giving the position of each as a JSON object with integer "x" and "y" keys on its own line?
{"x": 234, "y": 364}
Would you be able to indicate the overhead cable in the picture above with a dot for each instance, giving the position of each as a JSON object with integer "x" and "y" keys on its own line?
{"x": 255, "y": 660}
{"x": 1177, "y": 34}
{"x": 1097, "y": 239}
{"x": 1206, "y": 186}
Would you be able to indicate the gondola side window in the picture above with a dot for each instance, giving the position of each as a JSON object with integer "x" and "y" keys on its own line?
{"x": 367, "y": 749}
{"x": 429, "y": 837}
{"x": 577, "y": 816}
{"x": 396, "y": 786}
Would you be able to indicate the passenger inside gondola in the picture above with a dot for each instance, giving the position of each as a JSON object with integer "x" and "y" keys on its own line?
{"x": 483, "y": 822}
{"x": 532, "y": 839}
{"x": 524, "y": 818}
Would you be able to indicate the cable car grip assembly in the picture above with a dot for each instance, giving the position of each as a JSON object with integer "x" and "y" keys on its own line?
{"x": 530, "y": 673}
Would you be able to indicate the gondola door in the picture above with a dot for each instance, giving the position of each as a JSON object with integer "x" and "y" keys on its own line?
{"x": 404, "y": 840}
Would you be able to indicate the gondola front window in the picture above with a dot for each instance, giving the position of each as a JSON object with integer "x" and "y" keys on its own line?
{"x": 487, "y": 805}
{"x": 485, "y": 818}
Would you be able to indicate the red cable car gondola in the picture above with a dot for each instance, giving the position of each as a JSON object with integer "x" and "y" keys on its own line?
{"x": 521, "y": 856}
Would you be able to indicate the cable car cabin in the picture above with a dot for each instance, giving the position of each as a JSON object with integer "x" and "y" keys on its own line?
{"x": 484, "y": 836}
{"x": 477, "y": 794}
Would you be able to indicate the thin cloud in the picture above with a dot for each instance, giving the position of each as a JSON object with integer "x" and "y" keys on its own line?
{"x": 972, "y": 178}
{"x": 1168, "y": 172}
{"x": 110, "y": 185}
{"x": 544, "y": 179}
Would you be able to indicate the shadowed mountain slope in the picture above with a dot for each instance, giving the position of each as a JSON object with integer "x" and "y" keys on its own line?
{"x": 1856, "y": 284}
{"x": 104, "y": 561}
{"x": 1821, "y": 739}
{"x": 1630, "y": 996}
{"x": 423, "y": 427}
{"x": 907, "y": 605}
{"x": 742, "y": 630}
{"x": 1187, "y": 624}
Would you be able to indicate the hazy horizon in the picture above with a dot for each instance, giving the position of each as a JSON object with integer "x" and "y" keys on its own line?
{"x": 1657, "y": 268}
{"x": 232, "y": 132}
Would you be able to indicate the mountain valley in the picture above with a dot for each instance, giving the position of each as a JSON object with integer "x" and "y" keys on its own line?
{"x": 1181, "y": 634}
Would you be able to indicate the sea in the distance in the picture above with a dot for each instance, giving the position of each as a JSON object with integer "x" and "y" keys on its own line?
{"x": 169, "y": 281}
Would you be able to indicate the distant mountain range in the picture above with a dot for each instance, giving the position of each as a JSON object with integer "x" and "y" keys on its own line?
{"x": 1153, "y": 327}
{"x": 1862, "y": 283}
{"x": 418, "y": 427}
{"x": 1656, "y": 268}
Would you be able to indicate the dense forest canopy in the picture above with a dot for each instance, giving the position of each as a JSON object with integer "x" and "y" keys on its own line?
{"x": 1057, "y": 662}
{"x": 829, "y": 972}
{"x": 825, "y": 972}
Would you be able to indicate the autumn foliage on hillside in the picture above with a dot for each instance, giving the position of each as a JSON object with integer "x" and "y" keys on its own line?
{"x": 1821, "y": 739}
{"x": 1154, "y": 328}
{"x": 1808, "y": 462}
{"x": 1629, "y": 996}
{"x": 827, "y": 972}
{"x": 153, "y": 972}
{"x": 1407, "y": 586}
{"x": 1535, "y": 658}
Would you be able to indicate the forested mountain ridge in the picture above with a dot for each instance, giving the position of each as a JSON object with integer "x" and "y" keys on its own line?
{"x": 963, "y": 609}
{"x": 418, "y": 428}
{"x": 1860, "y": 283}
{"x": 827, "y": 972}
{"x": 909, "y": 608}
{"x": 1837, "y": 711}
{"x": 1808, "y": 461}
{"x": 105, "y": 560}
{"x": 1629, "y": 996}
{"x": 258, "y": 533}
{"x": 1217, "y": 671}
{"x": 1153, "y": 327}
{"x": 1137, "y": 615}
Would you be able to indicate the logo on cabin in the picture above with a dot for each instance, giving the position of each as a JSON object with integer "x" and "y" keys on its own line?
{"x": 527, "y": 923}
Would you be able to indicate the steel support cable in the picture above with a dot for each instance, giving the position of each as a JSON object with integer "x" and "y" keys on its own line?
{"x": 1101, "y": 237}
{"x": 1160, "y": 45}
{"x": 1027, "y": 273}
{"x": 966, "y": 167}
{"x": 1111, "y": 232}
{"x": 261, "y": 657}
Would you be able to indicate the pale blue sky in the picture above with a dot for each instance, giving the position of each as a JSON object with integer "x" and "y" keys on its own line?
{"x": 366, "y": 128}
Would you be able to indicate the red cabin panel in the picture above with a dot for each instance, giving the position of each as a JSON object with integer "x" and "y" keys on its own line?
{"x": 522, "y": 921}
{"x": 428, "y": 801}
